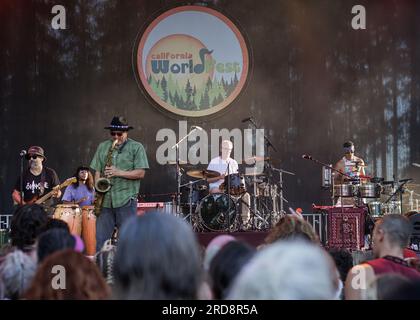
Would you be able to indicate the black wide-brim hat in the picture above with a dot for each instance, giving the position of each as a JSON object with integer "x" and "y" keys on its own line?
{"x": 119, "y": 124}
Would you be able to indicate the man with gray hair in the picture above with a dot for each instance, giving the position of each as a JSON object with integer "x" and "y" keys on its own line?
{"x": 390, "y": 236}
{"x": 16, "y": 273}
{"x": 280, "y": 272}
{"x": 228, "y": 166}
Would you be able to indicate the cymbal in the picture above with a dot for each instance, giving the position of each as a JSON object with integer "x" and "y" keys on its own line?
{"x": 254, "y": 159}
{"x": 203, "y": 174}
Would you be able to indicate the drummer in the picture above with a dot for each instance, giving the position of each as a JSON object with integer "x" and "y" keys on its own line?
{"x": 353, "y": 169}
{"x": 81, "y": 192}
{"x": 220, "y": 164}
{"x": 352, "y": 166}
{"x": 226, "y": 165}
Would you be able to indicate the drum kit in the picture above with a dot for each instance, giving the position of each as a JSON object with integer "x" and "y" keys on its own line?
{"x": 381, "y": 197}
{"x": 250, "y": 194}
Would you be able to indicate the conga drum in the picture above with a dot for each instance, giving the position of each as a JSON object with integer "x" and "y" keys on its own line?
{"x": 72, "y": 215}
{"x": 89, "y": 229}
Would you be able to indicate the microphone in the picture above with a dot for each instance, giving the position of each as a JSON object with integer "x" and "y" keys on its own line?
{"x": 247, "y": 119}
{"x": 416, "y": 164}
{"x": 22, "y": 153}
{"x": 198, "y": 128}
{"x": 305, "y": 156}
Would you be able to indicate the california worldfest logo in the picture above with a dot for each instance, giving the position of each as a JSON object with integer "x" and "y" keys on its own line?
{"x": 192, "y": 61}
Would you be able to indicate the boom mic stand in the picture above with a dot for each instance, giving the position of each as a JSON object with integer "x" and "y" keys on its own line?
{"x": 178, "y": 172}
{"x": 267, "y": 146}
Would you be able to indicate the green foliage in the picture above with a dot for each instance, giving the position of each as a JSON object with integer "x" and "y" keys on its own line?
{"x": 191, "y": 98}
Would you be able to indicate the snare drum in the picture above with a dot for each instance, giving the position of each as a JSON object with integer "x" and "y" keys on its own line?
{"x": 89, "y": 229}
{"x": 214, "y": 212}
{"x": 72, "y": 215}
{"x": 369, "y": 190}
{"x": 344, "y": 190}
{"x": 237, "y": 184}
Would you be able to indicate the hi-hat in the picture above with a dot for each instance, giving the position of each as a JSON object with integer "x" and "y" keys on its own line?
{"x": 203, "y": 174}
{"x": 356, "y": 165}
{"x": 254, "y": 159}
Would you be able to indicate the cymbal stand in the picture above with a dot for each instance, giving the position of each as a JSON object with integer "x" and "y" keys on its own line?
{"x": 282, "y": 199}
{"x": 190, "y": 185}
{"x": 255, "y": 212}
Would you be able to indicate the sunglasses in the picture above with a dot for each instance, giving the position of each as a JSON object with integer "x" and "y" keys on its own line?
{"x": 119, "y": 134}
{"x": 34, "y": 156}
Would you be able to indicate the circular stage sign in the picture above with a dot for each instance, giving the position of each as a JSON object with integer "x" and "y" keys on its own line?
{"x": 192, "y": 61}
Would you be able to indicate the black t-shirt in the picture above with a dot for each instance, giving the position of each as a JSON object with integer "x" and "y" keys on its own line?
{"x": 31, "y": 184}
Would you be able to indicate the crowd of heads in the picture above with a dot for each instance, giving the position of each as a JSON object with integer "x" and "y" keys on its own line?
{"x": 158, "y": 257}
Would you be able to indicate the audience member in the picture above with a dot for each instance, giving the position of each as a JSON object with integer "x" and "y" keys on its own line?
{"x": 213, "y": 247}
{"x": 54, "y": 240}
{"x": 28, "y": 222}
{"x": 77, "y": 278}
{"x": 53, "y": 223}
{"x": 286, "y": 270}
{"x": 384, "y": 286}
{"x": 157, "y": 258}
{"x": 227, "y": 264}
{"x": 390, "y": 236}
{"x": 16, "y": 273}
{"x": 291, "y": 227}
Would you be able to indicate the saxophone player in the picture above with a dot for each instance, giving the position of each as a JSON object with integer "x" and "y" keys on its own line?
{"x": 120, "y": 162}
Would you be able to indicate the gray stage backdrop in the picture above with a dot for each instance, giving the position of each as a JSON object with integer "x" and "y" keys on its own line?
{"x": 314, "y": 83}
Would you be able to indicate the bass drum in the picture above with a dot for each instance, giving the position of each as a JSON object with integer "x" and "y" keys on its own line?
{"x": 217, "y": 212}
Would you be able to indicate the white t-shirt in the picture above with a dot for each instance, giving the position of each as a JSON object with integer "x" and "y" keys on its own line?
{"x": 220, "y": 165}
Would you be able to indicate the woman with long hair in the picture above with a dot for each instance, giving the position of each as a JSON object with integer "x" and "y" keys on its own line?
{"x": 81, "y": 192}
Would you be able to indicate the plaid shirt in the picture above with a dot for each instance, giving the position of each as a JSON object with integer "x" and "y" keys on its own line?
{"x": 129, "y": 156}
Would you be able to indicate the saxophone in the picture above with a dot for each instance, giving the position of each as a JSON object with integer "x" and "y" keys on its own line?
{"x": 102, "y": 185}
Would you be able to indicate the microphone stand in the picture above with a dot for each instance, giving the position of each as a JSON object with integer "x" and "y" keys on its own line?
{"x": 228, "y": 192}
{"x": 400, "y": 191}
{"x": 178, "y": 172}
{"x": 21, "y": 179}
